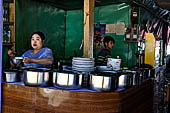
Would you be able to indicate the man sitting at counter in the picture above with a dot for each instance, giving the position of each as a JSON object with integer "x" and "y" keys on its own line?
{"x": 105, "y": 53}
{"x": 39, "y": 56}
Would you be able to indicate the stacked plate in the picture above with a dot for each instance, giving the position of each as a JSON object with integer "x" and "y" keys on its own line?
{"x": 83, "y": 64}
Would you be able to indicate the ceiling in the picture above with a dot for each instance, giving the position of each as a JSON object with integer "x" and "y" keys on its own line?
{"x": 164, "y": 4}
{"x": 78, "y": 4}
{"x": 155, "y": 7}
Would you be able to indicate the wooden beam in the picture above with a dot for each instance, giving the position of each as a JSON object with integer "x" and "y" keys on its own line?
{"x": 88, "y": 27}
{"x": 1, "y": 43}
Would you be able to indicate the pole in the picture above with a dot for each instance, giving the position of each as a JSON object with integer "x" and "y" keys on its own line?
{"x": 88, "y": 27}
{"x": 164, "y": 37}
{"x": 1, "y": 43}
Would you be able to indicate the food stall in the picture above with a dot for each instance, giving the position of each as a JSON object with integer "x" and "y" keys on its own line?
{"x": 70, "y": 33}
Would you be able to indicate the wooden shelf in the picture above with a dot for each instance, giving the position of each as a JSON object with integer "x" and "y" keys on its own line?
{"x": 8, "y": 23}
{"x": 7, "y": 44}
{"x": 9, "y": 1}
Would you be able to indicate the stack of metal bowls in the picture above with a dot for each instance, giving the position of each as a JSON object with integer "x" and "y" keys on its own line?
{"x": 82, "y": 64}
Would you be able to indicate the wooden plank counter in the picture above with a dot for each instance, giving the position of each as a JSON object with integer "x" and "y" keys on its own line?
{"x": 24, "y": 99}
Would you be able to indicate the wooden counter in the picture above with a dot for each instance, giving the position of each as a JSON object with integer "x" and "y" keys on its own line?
{"x": 24, "y": 99}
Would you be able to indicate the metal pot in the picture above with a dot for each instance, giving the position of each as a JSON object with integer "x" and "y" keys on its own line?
{"x": 145, "y": 74}
{"x": 10, "y": 76}
{"x": 104, "y": 81}
{"x": 141, "y": 77}
{"x": 67, "y": 80}
{"x": 17, "y": 60}
{"x": 136, "y": 78}
{"x": 125, "y": 80}
{"x": 37, "y": 78}
{"x": 151, "y": 73}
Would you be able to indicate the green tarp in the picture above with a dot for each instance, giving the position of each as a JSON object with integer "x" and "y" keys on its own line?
{"x": 64, "y": 29}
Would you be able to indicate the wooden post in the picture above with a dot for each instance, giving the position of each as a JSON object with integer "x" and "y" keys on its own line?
{"x": 1, "y": 45}
{"x": 88, "y": 27}
{"x": 12, "y": 19}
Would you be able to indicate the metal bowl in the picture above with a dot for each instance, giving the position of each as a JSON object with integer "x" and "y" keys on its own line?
{"x": 17, "y": 60}
{"x": 40, "y": 78}
{"x": 67, "y": 80}
{"x": 104, "y": 81}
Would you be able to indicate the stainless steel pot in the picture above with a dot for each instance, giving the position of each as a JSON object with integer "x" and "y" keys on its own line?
{"x": 148, "y": 73}
{"x": 103, "y": 81}
{"x": 136, "y": 77}
{"x": 141, "y": 77}
{"x": 125, "y": 80}
{"x": 145, "y": 74}
{"x": 37, "y": 78}
{"x": 10, "y": 76}
{"x": 67, "y": 80}
{"x": 151, "y": 73}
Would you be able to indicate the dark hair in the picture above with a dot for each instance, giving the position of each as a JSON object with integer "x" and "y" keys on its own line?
{"x": 107, "y": 39}
{"x": 41, "y": 34}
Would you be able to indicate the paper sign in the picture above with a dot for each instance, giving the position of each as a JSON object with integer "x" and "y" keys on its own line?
{"x": 110, "y": 28}
{"x": 120, "y": 28}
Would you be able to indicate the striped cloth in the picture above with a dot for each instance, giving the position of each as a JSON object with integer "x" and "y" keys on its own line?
{"x": 102, "y": 57}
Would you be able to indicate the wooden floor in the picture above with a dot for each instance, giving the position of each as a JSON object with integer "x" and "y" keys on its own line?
{"x": 24, "y": 99}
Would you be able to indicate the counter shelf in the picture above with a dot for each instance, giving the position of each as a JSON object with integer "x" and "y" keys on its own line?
{"x": 47, "y": 100}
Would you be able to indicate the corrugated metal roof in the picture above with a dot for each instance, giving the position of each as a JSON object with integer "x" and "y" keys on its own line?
{"x": 152, "y": 7}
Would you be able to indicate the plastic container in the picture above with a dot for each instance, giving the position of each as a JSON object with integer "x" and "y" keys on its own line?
{"x": 114, "y": 63}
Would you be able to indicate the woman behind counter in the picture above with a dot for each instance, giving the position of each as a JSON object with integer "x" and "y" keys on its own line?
{"x": 39, "y": 57}
{"x": 105, "y": 53}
